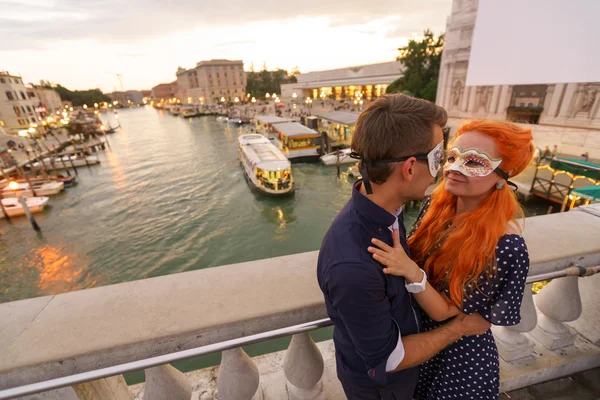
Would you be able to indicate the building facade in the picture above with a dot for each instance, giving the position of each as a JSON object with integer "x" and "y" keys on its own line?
{"x": 211, "y": 82}
{"x": 49, "y": 99}
{"x": 568, "y": 114}
{"x": 365, "y": 81}
{"x": 130, "y": 97}
{"x": 164, "y": 91}
{"x": 17, "y": 109}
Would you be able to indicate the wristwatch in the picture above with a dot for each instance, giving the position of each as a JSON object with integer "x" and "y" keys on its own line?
{"x": 417, "y": 287}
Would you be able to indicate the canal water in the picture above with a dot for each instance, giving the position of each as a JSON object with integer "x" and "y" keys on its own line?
{"x": 169, "y": 197}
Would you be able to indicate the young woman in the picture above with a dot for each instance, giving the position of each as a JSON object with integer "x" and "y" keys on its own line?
{"x": 468, "y": 244}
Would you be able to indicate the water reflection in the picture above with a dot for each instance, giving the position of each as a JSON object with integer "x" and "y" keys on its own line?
{"x": 119, "y": 176}
{"x": 58, "y": 271}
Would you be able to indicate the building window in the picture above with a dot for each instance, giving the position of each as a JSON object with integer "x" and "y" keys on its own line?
{"x": 29, "y": 109}
{"x": 23, "y": 96}
{"x": 17, "y": 111}
{"x": 2, "y": 123}
{"x": 23, "y": 109}
{"x": 21, "y": 122}
{"x": 217, "y": 74}
{"x": 2, "y": 80}
{"x": 9, "y": 95}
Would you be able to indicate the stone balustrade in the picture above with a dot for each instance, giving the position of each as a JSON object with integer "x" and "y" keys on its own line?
{"x": 54, "y": 336}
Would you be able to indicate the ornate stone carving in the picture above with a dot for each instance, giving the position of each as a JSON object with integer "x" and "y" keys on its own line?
{"x": 585, "y": 98}
{"x": 484, "y": 95}
{"x": 457, "y": 90}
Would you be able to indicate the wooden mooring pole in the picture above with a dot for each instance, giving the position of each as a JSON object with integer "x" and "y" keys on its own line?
{"x": 28, "y": 181}
{"x": 32, "y": 220}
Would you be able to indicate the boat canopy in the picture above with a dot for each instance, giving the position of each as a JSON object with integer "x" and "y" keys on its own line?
{"x": 262, "y": 153}
{"x": 293, "y": 129}
{"x": 588, "y": 192}
{"x": 271, "y": 119}
{"x": 577, "y": 167}
{"x": 341, "y": 117}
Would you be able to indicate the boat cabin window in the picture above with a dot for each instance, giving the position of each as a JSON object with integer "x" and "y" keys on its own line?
{"x": 273, "y": 176}
{"x": 292, "y": 143}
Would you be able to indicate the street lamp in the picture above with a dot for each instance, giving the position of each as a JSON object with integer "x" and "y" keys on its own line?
{"x": 85, "y": 106}
{"x": 237, "y": 99}
{"x": 309, "y": 102}
{"x": 267, "y": 95}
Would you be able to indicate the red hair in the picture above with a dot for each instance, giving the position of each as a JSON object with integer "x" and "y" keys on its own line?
{"x": 467, "y": 248}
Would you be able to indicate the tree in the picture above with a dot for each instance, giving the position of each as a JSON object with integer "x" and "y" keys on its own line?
{"x": 422, "y": 60}
{"x": 80, "y": 97}
{"x": 260, "y": 83}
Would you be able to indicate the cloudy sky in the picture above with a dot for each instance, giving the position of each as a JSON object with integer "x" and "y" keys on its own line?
{"x": 82, "y": 43}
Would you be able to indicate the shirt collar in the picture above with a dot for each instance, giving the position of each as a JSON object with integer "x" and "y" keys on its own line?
{"x": 372, "y": 211}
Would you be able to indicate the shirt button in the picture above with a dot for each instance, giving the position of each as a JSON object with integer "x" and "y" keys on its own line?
{"x": 379, "y": 229}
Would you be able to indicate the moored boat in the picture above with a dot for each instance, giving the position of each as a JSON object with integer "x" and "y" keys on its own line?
{"x": 265, "y": 166}
{"x": 341, "y": 156}
{"x": 78, "y": 161}
{"x": 298, "y": 142}
{"x": 189, "y": 112}
{"x": 14, "y": 208}
{"x": 238, "y": 121}
{"x": 354, "y": 171}
{"x": 40, "y": 189}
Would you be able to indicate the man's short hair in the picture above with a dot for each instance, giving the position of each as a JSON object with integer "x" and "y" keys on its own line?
{"x": 394, "y": 126}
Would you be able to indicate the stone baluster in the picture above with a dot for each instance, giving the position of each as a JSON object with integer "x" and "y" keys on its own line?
{"x": 166, "y": 382}
{"x": 303, "y": 367}
{"x": 238, "y": 377}
{"x": 111, "y": 388}
{"x": 558, "y": 302}
{"x": 511, "y": 341}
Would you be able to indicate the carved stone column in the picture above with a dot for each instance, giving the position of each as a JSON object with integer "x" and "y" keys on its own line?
{"x": 303, "y": 367}
{"x": 511, "y": 341}
{"x": 238, "y": 377}
{"x": 166, "y": 382}
{"x": 558, "y": 302}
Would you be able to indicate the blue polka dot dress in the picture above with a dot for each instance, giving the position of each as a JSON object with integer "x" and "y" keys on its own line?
{"x": 469, "y": 368}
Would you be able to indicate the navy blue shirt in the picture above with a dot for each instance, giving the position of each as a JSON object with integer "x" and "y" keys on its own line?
{"x": 369, "y": 309}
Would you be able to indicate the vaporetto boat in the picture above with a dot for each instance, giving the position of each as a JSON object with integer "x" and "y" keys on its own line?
{"x": 266, "y": 168}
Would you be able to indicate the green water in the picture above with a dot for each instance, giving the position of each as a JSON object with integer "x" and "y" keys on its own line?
{"x": 169, "y": 197}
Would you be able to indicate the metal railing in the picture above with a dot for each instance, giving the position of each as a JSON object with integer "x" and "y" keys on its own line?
{"x": 38, "y": 387}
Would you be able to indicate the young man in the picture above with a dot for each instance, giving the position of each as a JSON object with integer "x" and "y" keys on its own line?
{"x": 399, "y": 141}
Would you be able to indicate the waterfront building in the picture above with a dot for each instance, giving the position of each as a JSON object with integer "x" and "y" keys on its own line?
{"x": 164, "y": 92}
{"x": 49, "y": 99}
{"x": 128, "y": 97}
{"x": 17, "y": 109}
{"x": 364, "y": 81}
{"x": 212, "y": 82}
{"x": 566, "y": 114}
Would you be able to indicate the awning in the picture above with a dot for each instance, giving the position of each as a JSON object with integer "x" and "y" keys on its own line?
{"x": 577, "y": 167}
{"x": 291, "y": 129}
{"x": 588, "y": 192}
{"x": 342, "y": 117}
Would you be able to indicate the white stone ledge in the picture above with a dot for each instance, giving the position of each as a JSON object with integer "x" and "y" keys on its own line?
{"x": 54, "y": 336}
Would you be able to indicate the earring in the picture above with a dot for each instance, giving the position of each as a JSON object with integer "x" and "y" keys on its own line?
{"x": 500, "y": 185}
